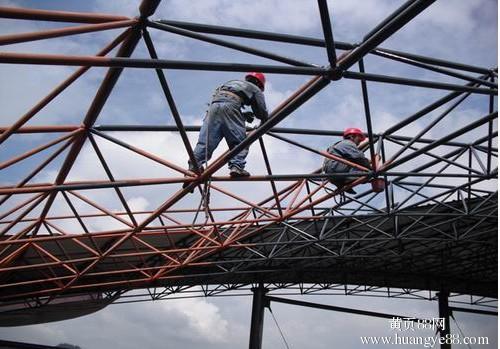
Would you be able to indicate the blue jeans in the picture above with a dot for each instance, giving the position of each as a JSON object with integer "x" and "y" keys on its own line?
{"x": 331, "y": 167}
{"x": 223, "y": 120}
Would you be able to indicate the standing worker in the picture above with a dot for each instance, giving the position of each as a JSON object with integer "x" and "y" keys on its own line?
{"x": 225, "y": 119}
{"x": 346, "y": 149}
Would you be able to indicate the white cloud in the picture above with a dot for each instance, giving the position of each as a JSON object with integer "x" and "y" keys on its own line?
{"x": 138, "y": 203}
{"x": 202, "y": 317}
{"x": 295, "y": 16}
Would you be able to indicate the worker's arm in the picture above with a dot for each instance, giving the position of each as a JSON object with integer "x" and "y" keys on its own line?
{"x": 258, "y": 105}
{"x": 352, "y": 153}
{"x": 363, "y": 162}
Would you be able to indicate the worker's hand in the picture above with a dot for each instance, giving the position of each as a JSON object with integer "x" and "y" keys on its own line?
{"x": 249, "y": 116}
{"x": 363, "y": 143}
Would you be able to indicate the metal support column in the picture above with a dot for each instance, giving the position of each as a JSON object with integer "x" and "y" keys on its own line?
{"x": 257, "y": 325}
{"x": 444, "y": 312}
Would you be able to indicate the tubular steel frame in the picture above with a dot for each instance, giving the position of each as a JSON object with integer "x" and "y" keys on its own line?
{"x": 41, "y": 262}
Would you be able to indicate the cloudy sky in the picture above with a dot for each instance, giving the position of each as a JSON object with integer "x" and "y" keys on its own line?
{"x": 457, "y": 30}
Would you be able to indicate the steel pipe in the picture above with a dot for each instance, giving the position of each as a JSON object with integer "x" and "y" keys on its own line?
{"x": 120, "y": 62}
{"x": 58, "y": 16}
{"x": 418, "y": 83}
{"x": 228, "y": 44}
{"x": 61, "y": 32}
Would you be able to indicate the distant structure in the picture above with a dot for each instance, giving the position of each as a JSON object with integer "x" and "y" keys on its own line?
{"x": 431, "y": 233}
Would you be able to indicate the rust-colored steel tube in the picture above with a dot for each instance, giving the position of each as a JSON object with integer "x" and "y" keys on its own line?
{"x": 58, "y": 16}
{"x": 36, "y": 150}
{"x": 55, "y": 33}
{"x": 61, "y": 87}
{"x": 42, "y": 129}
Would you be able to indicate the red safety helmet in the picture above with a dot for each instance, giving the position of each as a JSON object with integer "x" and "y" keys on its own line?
{"x": 354, "y": 131}
{"x": 261, "y": 78}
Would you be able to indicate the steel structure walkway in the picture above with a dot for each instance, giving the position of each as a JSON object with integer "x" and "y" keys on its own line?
{"x": 433, "y": 228}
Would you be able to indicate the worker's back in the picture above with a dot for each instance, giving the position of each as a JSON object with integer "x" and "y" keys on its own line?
{"x": 249, "y": 93}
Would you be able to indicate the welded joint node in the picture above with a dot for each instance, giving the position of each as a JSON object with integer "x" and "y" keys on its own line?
{"x": 334, "y": 73}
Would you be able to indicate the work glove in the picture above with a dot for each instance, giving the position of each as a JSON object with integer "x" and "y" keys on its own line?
{"x": 249, "y": 117}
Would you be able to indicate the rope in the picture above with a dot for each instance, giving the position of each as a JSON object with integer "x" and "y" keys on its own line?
{"x": 279, "y": 328}
{"x": 205, "y": 196}
{"x": 197, "y": 212}
{"x": 461, "y": 332}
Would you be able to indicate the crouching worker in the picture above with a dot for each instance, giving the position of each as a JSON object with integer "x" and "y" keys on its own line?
{"x": 225, "y": 119}
{"x": 346, "y": 149}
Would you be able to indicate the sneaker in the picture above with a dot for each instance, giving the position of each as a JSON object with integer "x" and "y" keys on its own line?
{"x": 235, "y": 172}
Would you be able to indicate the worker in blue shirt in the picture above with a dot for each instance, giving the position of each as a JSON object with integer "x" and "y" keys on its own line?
{"x": 225, "y": 119}
{"x": 346, "y": 149}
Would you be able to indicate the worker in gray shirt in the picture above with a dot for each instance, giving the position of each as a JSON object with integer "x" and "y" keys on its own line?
{"x": 224, "y": 119}
{"x": 346, "y": 149}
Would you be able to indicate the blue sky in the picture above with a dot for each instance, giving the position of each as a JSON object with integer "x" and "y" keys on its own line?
{"x": 461, "y": 31}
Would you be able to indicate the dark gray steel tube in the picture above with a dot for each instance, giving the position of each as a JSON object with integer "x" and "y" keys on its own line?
{"x": 439, "y": 62}
{"x": 121, "y": 62}
{"x": 388, "y": 19}
{"x": 444, "y": 313}
{"x": 383, "y": 33}
{"x": 455, "y": 134}
{"x": 171, "y": 101}
{"x": 448, "y": 72}
{"x": 419, "y": 83}
{"x": 254, "y": 34}
{"x": 257, "y": 320}
{"x": 368, "y": 118}
{"x": 232, "y": 45}
{"x": 424, "y": 111}
{"x": 327, "y": 32}
{"x": 339, "y": 309}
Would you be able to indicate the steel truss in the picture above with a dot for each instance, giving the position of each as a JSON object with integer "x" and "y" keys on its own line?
{"x": 433, "y": 228}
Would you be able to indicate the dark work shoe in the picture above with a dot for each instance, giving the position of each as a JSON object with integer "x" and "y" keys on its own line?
{"x": 235, "y": 172}
{"x": 350, "y": 191}
{"x": 340, "y": 185}
{"x": 185, "y": 184}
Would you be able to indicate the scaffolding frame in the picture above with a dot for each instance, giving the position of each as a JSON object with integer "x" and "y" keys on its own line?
{"x": 40, "y": 261}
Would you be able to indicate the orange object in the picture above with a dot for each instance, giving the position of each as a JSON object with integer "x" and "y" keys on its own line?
{"x": 378, "y": 185}
{"x": 260, "y": 77}
{"x": 354, "y": 131}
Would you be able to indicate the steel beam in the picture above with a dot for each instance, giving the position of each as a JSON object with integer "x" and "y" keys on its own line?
{"x": 60, "y": 32}
{"x": 339, "y": 309}
{"x": 228, "y": 44}
{"x": 473, "y": 311}
{"x": 58, "y": 16}
{"x": 439, "y": 62}
{"x": 434, "y": 68}
{"x": 60, "y": 88}
{"x": 121, "y": 62}
{"x": 426, "y": 110}
{"x": 368, "y": 118}
{"x": 327, "y": 32}
{"x": 418, "y": 83}
{"x": 308, "y": 41}
{"x": 171, "y": 101}
{"x": 259, "y": 303}
{"x": 253, "y": 34}
{"x": 410, "y": 10}
{"x": 446, "y": 138}
{"x": 444, "y": 313}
